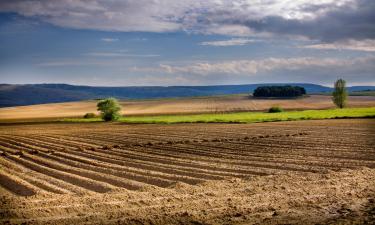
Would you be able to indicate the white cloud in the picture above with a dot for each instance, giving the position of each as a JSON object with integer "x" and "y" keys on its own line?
{"x": 364, "y": 45}
{"x": 110, "y": 39}
{"x": 254, "y": 67}
{"x": 231, "y": 42}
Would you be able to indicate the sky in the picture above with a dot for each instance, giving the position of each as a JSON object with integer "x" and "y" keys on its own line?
{"x": 186, "y": 42}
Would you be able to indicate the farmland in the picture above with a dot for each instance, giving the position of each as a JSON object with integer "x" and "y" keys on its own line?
{"x": 319, "y": 171}
{"x": 241, "y": 117}
{"x": 198, "y": 105}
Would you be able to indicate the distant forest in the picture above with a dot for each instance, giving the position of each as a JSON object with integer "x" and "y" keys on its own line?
{"x": 279, "y": 91}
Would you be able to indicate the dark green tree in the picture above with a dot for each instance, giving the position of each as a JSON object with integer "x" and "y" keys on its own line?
{"x": 109, "y": 109}
{"x": 340, "y": 94}
{"x": 279, "y": 91}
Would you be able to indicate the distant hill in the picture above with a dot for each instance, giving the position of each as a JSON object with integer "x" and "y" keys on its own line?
{"x": 28, "y": 94}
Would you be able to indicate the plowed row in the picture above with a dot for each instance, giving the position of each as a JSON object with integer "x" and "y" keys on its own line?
{"x": 40, "y": 163}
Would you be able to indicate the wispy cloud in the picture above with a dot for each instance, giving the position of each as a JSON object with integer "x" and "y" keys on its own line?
{"x": 253, "y": 67}
{"x": 354, "y": 45}
{"x": 231, "y": 42}
{"x": 119, "y": 54}
{"x": 110, "y": 39}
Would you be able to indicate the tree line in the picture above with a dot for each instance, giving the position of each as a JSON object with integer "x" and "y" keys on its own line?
{"x": 279, "y": 91}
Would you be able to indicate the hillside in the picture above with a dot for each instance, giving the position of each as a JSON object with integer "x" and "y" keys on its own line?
{"x": 29, "y": 94}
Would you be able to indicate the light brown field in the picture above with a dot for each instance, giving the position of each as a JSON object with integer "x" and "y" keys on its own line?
{"x": 304, "y": 172}
{"x": 218, "y": 104}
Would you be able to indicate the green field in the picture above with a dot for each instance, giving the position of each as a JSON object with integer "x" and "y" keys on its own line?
{"x": 244, "y": 117}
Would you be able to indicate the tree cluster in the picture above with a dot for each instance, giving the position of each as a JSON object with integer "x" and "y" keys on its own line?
{"x": 279, "y": 91}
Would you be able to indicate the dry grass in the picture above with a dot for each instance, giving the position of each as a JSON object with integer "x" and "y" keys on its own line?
{"x": 221, "y": 104}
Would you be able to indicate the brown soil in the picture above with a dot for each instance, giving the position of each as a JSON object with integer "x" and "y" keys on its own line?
{"x": 305, "y": 172}
{"x": 177, "y": 106}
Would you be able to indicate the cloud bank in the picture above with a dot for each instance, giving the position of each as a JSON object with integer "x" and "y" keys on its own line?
{"x": 324, "y": 20}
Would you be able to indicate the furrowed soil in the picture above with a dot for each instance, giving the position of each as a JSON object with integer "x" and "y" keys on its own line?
{"x": 197, "y": 105}
{"x": 301, "y": 172}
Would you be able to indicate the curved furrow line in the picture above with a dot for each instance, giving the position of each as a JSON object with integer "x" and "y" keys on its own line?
{"x": 185, "y": 179}
{"x": 31, "y": 141}
{"x": 20, "y": 146}
{"x": 315, "y": 165}
{"x": 277, "y": 146}
{"x": 17, "y": 186}
{"x": 183, "y": 160}
{"x": 37, "y": 144}
{"x": 191, "y": 166}
{"x": 215, "y": 176}
{"x": 36, "y": 182}
{"x": 316, "y": 144}
{"x": 202, "y": 174}
{"x": 8, "y": 150}
{"x": 73, "y": 155}
{"x": 93, "y": 142}
{"x": 130, "y": 177}
{"x": 59, "y": 184}
{"x": 211, "y": 168}
{"x": 62, "y": 166}
{"x": 86, "y": 183}
{"x": 188, "y": 151}
{"x": 369, "y": 164}
{"x": 245, "y": 162}
{"x": 132, "y": 173}
{"x": 276, "y": 150}
{"x": 323, "y": 150}
{"x": 72, "y": 142}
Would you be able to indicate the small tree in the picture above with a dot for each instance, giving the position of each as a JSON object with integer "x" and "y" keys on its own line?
{"x": 109, "y": 109}
{"x": 340, "y": 94}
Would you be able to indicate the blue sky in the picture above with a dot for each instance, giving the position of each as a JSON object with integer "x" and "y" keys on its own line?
{"x": 165, "y": 42}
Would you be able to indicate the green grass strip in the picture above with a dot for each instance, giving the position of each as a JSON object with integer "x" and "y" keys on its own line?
{"x": 243, "y": 117}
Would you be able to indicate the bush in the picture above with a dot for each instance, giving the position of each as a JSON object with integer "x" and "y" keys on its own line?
{"x": 279, "y": 91}
{"x": 89, "y": 115}
{"x": 110, "y": 109}
{"x": 275, "y": 109}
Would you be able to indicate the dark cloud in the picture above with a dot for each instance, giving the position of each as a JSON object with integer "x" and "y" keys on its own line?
{"x": 328, "y": 22}
{"x": 346, "y": 22}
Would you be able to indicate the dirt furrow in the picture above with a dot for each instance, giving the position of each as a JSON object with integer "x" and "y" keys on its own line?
{"x": 89, "y": 184}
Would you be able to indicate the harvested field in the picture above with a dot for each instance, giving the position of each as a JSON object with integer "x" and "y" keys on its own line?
{"x": 270, "y": 173}
{"x": 215, "y": 104}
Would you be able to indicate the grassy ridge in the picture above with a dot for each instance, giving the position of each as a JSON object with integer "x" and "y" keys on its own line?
{"x": 244, "y": 117}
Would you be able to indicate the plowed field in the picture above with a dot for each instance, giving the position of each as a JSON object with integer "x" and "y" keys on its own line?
{"x": 285, "y": 172}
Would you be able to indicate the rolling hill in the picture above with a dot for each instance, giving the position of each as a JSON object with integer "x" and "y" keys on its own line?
{"x": 29, "y": 94}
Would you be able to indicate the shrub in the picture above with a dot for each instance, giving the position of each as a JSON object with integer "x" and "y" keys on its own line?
{"x": 275, "y": 109}
{"x": 89, "y": 115}
{"x": 279, "y": 91}
{"x": 109, "y": 109}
